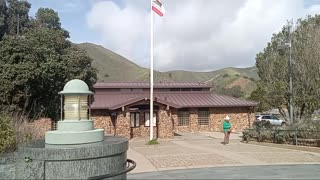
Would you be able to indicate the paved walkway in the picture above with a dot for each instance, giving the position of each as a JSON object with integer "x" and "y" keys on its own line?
{"x": 206, "y": 150}
{"x": 244, "y": 172}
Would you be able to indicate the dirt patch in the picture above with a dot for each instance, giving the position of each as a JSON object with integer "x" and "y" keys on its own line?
{"x": 242, "y": 82}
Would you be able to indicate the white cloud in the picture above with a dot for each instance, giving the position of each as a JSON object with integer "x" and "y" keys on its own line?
{"x": 196, "y": 35}
{"x": 122, "y": 30}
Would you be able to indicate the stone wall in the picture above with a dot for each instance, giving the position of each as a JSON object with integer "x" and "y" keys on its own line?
{"x": 123, "y": 124}
{"x": 165, "y": 124}
{"x": 38, "y": 128}
{"x": 193, "y": 119}
{"x": 103, "y": 120}
{"x": 239, "y": 118}
{"x": 120, "y": 126}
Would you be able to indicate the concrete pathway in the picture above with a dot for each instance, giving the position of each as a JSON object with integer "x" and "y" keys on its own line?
{"x": 191, "y": 150}
{"x": 244, "y": 172}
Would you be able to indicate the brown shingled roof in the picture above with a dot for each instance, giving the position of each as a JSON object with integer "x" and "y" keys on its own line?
{"x": 177, "y": 100}
{"x": 147, "y": 85}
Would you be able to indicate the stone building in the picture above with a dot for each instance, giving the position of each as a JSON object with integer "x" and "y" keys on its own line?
{"x": 122, "y": 109}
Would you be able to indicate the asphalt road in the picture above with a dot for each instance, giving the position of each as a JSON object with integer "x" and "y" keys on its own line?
{"x": 301, "y": 171}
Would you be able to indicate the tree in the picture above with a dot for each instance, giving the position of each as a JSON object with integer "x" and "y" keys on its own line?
{"x": 36, "y": 66}
{"x": 272, "y": 64}
{"x": 3, "y": 17}
{"x": 48, "y": 18}
{"x": 18, "y": 18}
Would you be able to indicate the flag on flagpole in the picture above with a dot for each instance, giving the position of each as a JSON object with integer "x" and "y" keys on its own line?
{"x": 158, "y": 7}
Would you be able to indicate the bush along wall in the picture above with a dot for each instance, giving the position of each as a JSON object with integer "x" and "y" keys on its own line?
{"x": 7, "y": 135}
{"x": 303, "y": 134}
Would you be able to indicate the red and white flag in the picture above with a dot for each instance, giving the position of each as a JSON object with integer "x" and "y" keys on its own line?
{"x": 158, "y": 7}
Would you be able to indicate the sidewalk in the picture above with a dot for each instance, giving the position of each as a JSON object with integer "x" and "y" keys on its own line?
{"x": 220, "y": 135}
{"x": 206, "y": 150}
{"x": 245, "y": 172}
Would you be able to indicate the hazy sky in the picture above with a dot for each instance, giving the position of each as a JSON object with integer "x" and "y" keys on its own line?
{"x": 198, "y": 35}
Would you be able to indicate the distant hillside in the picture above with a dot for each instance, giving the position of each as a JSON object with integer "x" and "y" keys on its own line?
{"x": 113, "y": 67}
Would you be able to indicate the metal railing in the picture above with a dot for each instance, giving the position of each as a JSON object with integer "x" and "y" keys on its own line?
{"x": 294, "y": 135}
{"x": 128, "y": 169}
{"x": 54, "y": 125}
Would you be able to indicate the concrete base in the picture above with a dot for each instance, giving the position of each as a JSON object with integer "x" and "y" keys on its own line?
{"x": 74, "y": 137}
{"x": 74, "y": 132}
{"x": 72, "y": 161}
{"x": 7, "y": 166}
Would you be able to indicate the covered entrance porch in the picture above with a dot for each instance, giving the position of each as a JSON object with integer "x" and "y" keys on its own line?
{"x": 133, "y": 120}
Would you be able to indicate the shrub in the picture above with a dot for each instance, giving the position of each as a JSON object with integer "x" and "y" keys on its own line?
{"x": 262, "y": 125}
{"x": 23, "y": 132}
{"x": 249, "y": 134}
{"x": 265, "y": 136}
{"x": 261, "y": 131}
{"x": 153, "y": 142}
{"x": 14, "y": 129}
{"x": 246, "y": 135}
{"x": 281, "y": 137}
{"x": 7, "y": 135}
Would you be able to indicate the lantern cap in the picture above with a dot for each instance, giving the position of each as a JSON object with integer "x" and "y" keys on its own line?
{"x": 76, "y": 86}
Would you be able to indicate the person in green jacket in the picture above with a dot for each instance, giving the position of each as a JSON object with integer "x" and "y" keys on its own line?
{"x": 226, "y": 129}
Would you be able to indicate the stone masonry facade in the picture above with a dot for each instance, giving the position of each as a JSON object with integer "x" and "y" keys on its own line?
{"x": 168, "y": 122}
{"x": 118, "y": 123}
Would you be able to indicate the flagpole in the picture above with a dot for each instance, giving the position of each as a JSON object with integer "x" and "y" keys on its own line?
{"x": 151, "y": 72}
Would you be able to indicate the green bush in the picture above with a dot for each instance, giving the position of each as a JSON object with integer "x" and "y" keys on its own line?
{"x": 262, "y": 125}
{"x": 152, "y": 142}
{"x": 263, "y": 131}
{"x": 246, "y": 135}
{"x": 265, "y": 136}
{"x": 249, "y": 134}
{"x": 281, "y": 137}
{"x": 7, "y": 135}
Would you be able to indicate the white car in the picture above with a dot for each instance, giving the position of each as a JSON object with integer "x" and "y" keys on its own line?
{"x": 272, "y": 119}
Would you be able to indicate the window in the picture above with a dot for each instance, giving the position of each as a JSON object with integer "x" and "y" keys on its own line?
{"x": 147, "y": 119}
{"x": 197, "y": 89}
{"x": 203, "y": 117}
{"x": 175, "y": 89}
{"x": 266, "y": 117}
{"x": 183, "y": 118}
{"x": 134, "y": 118}
{"x": 185, "y": 89}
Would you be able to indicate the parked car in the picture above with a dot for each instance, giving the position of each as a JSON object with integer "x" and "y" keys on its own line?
{"x": 274, "y": 120}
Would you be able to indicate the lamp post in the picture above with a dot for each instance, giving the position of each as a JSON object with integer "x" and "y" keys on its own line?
{"x": 75, "y": 126}
{"x": 289, "y": 44}
{"x": 290, "y": 75}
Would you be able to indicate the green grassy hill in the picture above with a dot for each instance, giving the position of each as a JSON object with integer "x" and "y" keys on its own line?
{"x": 113, "y": 67}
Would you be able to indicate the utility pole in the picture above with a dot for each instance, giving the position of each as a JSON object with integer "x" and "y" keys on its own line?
{"x": 290, "y": 73}
{"x": 282, "y": 46}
